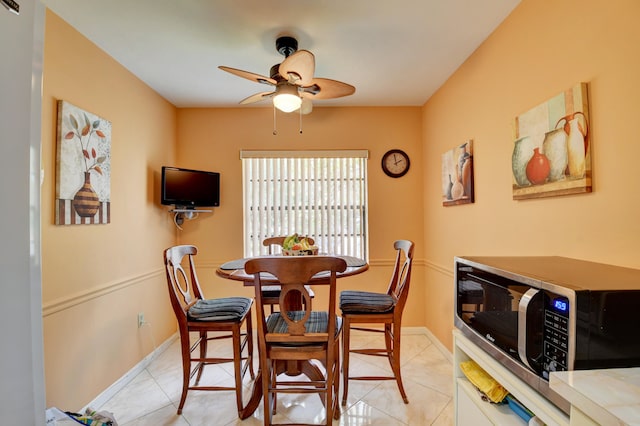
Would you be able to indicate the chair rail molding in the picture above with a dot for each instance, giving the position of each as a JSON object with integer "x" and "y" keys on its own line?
{"x": 439, "y": 268}
{"x": 78, "y": 298}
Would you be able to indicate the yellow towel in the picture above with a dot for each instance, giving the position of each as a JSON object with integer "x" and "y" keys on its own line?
{"x": 487, "y": 384}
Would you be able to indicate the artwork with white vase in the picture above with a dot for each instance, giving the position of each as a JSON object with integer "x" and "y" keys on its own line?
{"x": 457, "y": 175}
{"x": 83, "y": 167}
{"x": 552, "y": 148}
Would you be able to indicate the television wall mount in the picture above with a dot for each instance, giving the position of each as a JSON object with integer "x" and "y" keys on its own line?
{"x": 180, "y": 215}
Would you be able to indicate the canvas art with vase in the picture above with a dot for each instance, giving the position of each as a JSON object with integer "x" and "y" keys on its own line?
{"x": 83, "y": 167}
{"x": 551, "y": 151}
{"x": 457, "y": 175}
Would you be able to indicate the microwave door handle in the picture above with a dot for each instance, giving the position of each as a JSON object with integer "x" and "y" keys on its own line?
{"x": 522, "y": 325}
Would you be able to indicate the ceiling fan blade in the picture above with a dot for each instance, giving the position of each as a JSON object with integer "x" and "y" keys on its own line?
{"x": 325, "y": 88}
{"x": 249, "y": 75}
{"x": 257, "y": 98}
{"x": 298, "y": 68}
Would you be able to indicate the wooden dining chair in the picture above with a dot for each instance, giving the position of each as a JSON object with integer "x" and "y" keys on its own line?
{"x": 296, "y": 337}
{"x": 271, "y": 293}
{"x": 363, "y": 307}
{"x": 202, "y": 316}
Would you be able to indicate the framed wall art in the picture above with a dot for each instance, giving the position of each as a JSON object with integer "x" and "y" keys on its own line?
{"x": 457, "y": 175}
{"x": 552, "y": 148}
{"x": 83, "y": 167}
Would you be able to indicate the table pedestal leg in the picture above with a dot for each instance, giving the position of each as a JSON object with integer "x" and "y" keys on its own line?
{"x": 291, "y": 368}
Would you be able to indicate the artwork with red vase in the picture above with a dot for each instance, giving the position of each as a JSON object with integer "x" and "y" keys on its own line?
{"x": 552, "y": 152}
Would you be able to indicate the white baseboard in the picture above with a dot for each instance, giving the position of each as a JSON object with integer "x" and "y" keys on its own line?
{"x": 426, "y": 332}
{"x": 448, "y": 355}
{"x": 108, "y": 393}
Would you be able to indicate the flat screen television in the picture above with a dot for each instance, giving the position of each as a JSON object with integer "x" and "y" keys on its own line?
{"x": 189, "y": 189}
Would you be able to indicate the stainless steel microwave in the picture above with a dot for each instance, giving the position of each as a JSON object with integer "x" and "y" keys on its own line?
{"x": 537, "y": 315}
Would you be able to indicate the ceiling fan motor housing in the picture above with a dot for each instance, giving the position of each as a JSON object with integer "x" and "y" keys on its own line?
{"x": 286, "y": 45}
{"x": 274, "y": 73}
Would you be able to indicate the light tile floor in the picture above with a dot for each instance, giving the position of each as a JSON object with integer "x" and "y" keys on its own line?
{"x": 152, "y": 397}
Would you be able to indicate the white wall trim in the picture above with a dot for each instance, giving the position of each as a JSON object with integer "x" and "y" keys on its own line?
{"x": 418, "y": 331}
{"x": 442, "y": 348}
{"x": 123, "y": 381}
{"x": 22, "y": 367}
{"x": 84, "y": 296}
{"x": 425, "y": 331}
{"x": 336, "y": 153}
{"x": 440, "y": 268}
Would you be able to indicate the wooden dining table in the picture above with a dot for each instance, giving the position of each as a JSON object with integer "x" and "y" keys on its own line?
{"x": 234, "y": 270}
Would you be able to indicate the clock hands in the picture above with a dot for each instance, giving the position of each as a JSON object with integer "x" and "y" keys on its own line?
{"x": 396, "y": 161}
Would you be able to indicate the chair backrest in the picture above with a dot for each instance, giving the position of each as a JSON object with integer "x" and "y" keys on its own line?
{"x": 401, "y": 278}
{"x": 184, "y": 288}
{"x": 292, "y": 274}
{"x": 277, "y": 241}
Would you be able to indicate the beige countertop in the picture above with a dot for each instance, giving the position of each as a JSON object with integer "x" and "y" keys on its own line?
{"x": 610, "y": 396}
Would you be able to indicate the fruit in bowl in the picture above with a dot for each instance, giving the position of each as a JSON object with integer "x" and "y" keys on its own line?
{"x": 294, "y": 245}
{"x": 292, "y": 252}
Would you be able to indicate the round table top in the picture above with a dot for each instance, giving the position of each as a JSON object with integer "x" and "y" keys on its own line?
{"x": 234, "y": 270}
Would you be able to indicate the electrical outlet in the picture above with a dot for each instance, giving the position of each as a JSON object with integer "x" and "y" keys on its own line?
{"x": 140, "y": 319}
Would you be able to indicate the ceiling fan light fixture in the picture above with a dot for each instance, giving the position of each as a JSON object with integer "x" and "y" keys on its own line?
{"x": 287, "y": 98}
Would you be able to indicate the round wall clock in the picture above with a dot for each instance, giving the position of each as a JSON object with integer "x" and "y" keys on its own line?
{"x": 395, "y": 163}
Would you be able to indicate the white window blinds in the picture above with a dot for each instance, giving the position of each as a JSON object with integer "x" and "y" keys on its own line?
{"x": 320, "y": 194}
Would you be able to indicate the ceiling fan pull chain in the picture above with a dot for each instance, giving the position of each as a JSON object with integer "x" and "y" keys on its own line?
{"x": 275, "y": 132}
{"x": 300, "y": 109}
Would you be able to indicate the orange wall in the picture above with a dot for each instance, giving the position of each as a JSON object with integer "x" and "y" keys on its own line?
{"x": 543, "y": 48}
{"x": 96, "y": 278}
{"x": 211, "y": 139}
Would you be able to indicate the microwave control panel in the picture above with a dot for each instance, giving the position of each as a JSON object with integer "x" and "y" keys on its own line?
{"x": 556, "y": 335}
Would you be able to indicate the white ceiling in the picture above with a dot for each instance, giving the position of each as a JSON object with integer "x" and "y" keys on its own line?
{"x": 396, "y": 53}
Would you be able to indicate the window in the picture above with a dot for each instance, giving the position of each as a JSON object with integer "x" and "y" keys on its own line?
{"x": 320, "y": 194}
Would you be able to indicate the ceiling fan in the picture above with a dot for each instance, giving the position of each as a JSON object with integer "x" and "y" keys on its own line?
{"x": 294, "y": 86}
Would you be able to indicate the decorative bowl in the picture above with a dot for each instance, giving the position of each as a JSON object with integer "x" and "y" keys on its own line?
{"x": 291, "y": 252}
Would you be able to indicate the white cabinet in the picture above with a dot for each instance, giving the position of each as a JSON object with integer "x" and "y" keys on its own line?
{"x": 472, "y": 410}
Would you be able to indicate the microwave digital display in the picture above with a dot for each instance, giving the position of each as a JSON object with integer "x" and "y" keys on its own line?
{"x": 560, "y": 304}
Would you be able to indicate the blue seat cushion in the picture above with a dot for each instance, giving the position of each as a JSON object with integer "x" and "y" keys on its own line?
{"x": 318, "y": 322}
{"x": 365, "y": 302}
{"x": 271, "y": 291}
{"x": 222, "y": 309}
